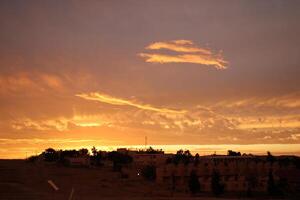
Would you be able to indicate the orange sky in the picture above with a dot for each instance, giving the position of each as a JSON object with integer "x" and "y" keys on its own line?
{"x": 108, "y": 73}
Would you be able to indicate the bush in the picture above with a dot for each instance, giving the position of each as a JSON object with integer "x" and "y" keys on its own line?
{"x": 50, "y": 155}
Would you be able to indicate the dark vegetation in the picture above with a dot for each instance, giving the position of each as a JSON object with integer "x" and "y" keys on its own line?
{"x": 275, "y": 187}
{"x": 119, "y": 159}
{"x": 96, "y": 159}
{"x": 233, "y": 153}
{"x": 181, "y": 157}
{"x": 151, "y": 150}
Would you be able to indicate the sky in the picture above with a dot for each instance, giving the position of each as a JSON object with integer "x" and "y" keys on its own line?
{"x": 110, "y": 73}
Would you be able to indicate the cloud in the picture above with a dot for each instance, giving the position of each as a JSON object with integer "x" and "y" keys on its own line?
{"x": 16, "y": 82}
{"x": 89, "y": 120}
{"x": 210, "y": 123}
{"x": 248, "y": 120}
{"x": 219, "y": 63}
{"x": 279, "y": 112}
{"x": 289, "y": 101}
{"x": 60, "y": 123}
{"x": 52, "y": 81}
{"x": 225, "y": 121}
{"x": 121, "y": 102}
{"x": 269, "y": 123}
{"x": 30, "y": 81}
{"x": 191, "y": 54}
{"x": 186, "y": 46}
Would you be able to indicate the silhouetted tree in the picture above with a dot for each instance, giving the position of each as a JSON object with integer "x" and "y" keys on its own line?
{"x": 182, "y": 156}
{"x": 194, "y": 184}
{"x": 94, "y": 151}
{"x": 63, "y": 154}
{"x": 178, "y": 157}
{"x": 83, "y": 152}
{"x": 151, "y": 150}
{"x": 216, "y": 186}
{"x": 149, "y": 172}
{"x": 233, "y": 153}
{"x": 119, "y": 159}
{"x": 50, "y": 155}
{"x": 96, "y": 157}
{"x": 197, "y": 159}
{"x": 270, "y": 157}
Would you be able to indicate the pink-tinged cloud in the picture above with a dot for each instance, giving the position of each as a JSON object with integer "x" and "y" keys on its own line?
{"x": 185, "y": 46}
{"x": 190, "y": 53}
{"x": 218, "y": 63}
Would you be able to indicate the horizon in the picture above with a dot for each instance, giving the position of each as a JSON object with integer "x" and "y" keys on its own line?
{"x": 207, "y": 75}
{"x": 202, "y": 150}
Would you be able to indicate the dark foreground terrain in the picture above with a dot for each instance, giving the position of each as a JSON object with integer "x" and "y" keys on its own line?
{"x": 22, "y": 180}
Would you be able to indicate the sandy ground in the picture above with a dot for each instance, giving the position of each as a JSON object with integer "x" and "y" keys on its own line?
{"x": 21, "y": 180}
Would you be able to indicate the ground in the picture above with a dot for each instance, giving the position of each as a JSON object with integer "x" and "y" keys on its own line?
{"x": 23, "y": 180}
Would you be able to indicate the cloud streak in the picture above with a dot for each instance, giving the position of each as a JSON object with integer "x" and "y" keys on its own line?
{"x": 122, "y": 102}
{"x": 60, "y": 123}
{"x": 186, "y": 46}
{"x": 218, "y": 63}
{"x": 190, "y": 53}
{"x": 291, "y": 101}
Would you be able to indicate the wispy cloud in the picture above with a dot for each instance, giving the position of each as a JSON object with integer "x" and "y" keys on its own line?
{"x": 121, "y": 102}
{"x": 186, "y": 46}
{"x": 291, "y": 101}
{"x": 30, "y": 81}
{"x": 219, "y": 63}
{"x": 191, "y": 54}
{"x": 257, "y": 113}
{"x": 60, "y": 123}
{"x": 270, "y": 122}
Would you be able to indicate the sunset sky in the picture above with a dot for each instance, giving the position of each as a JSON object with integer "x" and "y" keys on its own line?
{"x": 108, "y": 73}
